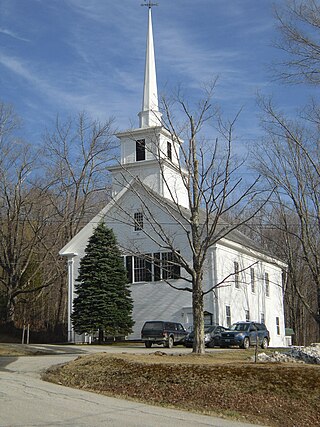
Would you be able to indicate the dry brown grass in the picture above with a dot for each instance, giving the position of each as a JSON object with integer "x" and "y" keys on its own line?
{"x": 16, "y": 350}
{"x": 219, "y": 383}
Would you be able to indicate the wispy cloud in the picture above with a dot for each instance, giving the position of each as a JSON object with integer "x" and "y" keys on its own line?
{"x": 13, "y": 35}
{"x": 40, "y": 83}
{"x": 16, "y": 67}
{"x": 194, "y": 63}
{"x": 64, "y": 56}
{"x": 91, "y": 93}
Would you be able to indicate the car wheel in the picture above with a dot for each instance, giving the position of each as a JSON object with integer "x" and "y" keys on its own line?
{"x": 148, "y": 344}
{"x": 264, "y": 343}
{"x": 246, "y": 343}
{"x": 170, "y": 342}
{"x": 210, "y": 344}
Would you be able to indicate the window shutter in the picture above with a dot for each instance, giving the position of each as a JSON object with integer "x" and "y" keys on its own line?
{"x": 176, "y": 269}
{"x": 148, "y": 268}
{"x": 157, "y": 267}
{"x": 129, "y": 268}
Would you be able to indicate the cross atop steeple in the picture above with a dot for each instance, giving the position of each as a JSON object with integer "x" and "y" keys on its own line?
{"x": 149, "y": 4}
{"x": 150, "y": 114}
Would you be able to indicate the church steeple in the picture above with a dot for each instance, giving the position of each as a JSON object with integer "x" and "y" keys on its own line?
{"x": 150, "y": 115}
{"x": 151, "y": 153}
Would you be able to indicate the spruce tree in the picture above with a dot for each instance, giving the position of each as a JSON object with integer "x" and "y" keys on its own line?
{"x": 103, "y": 301}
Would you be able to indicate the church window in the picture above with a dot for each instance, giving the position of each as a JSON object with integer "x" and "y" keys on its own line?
{"x": 152, "y": 267}
{"x": 252, "y": 279}
{"x": 278, "y": 325}
{"x": 228, "y": 315}
{"x": 140, "y": 150}
{"x": 236, "y": 274}
{"x": 262, "y": 318}
{"x": 138, "y": 221}
{"x": 247, "y": 313}
{"x": 169, "y": 150}
{"x": 267, "y": 284}
{"x": 139, "y": 269}
{"x": 167, "y": 265}
{"x": 170, "y": 268}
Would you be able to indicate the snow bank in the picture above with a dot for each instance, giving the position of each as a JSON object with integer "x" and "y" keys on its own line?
{"x": 310, "y": 354}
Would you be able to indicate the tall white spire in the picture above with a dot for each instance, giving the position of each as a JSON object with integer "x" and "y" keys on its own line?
{"x": 150, "y": 114}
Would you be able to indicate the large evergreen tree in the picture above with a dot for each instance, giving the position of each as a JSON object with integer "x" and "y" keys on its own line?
{"x": 103, "y": 301}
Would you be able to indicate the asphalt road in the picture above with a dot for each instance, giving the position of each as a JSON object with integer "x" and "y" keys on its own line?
{"x": 26, "y": 400}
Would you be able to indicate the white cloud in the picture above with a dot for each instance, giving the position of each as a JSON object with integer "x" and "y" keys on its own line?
{"x": 13, "y": 34}
{"x": 91, "y": 93}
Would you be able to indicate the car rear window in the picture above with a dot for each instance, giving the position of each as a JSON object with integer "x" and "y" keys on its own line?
{"x": 260, "y": 326}
{"x": 240, "y": 327}
{"x": 209, "y": 328}
{"x": 153, "y": 326}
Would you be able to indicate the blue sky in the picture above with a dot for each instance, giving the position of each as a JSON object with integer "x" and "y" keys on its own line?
{"x": 65, "y": 56}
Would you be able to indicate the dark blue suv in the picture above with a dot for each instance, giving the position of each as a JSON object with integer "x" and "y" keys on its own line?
{"x": 244, "y": 334}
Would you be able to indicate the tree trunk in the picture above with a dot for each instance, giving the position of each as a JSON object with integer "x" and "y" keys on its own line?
{"x": 9, "y": 318}
{"x": 101, "y": 335}
{"x": 198, "y": 316}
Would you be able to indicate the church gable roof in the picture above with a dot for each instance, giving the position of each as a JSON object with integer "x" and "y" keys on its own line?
{"x": 225, "y": 232}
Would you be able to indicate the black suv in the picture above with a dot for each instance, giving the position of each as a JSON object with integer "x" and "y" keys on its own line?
{"x": 211, "y": 336}
{"x": 166, "y": 333}
{"x": 244, "y": 334}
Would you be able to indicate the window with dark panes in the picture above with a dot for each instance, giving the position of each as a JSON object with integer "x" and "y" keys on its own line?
{"x": 228, "y": 315}
{"x": 140, "y": 150}
{"x": 236, "y": 274}
{"x": 252, "y": 279}
{"x": 169, "y": 150}
{"x": 167, "y": 265}
{"x": 139, "y": 269}
{"x": 152, "y": 267}
{"x": 142, "y": 268}
{"x": 170, "y": 268}
{"x": 267, "y": 284}
{"x": 278, "y": 325}
{"x": 138, "y": 221}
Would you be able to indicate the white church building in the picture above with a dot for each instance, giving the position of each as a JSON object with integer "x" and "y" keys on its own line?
{"x": 147, "y": 186}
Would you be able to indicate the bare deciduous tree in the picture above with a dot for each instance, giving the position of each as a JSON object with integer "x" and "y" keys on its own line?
{"x": 45, "y": 197}
{"x": 23, "y": 214}
{"x": 289, "y": 161}
{"x": 77, "y": 154}
{"x": 214, "y": 186}
{"x": 299, "y": 25}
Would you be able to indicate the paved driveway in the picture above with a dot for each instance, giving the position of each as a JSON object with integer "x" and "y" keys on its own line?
{"x": 26, "y": 401}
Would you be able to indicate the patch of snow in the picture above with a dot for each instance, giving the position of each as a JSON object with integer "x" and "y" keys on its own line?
{"x": 310, "y": 354}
